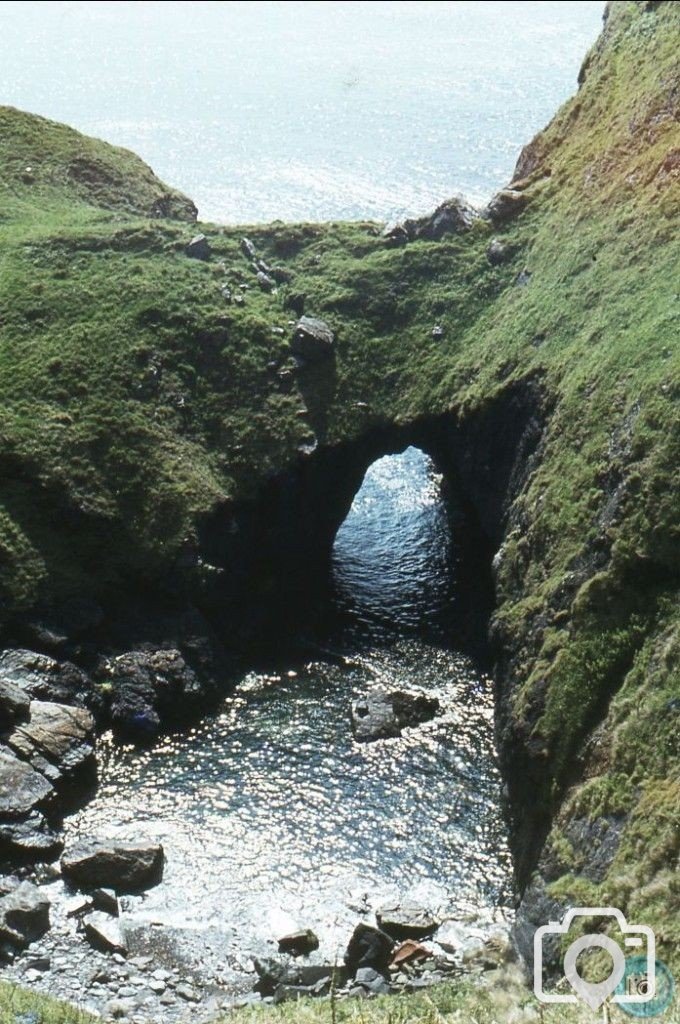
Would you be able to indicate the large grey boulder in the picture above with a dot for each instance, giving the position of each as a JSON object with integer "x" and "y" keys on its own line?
{"x": 406, "y": 920}
{"x": 382, "y": 715}
{"x": 112, "y": 864}
{"x": 312, "y": 340}
{"x": 57, "y": 740}
{"x": 21, "y": 787}
{"x": 24, "y": 915}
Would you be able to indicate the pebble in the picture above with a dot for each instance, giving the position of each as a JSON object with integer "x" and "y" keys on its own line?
{"x": 157, "y": 986}
{"x": 186, "y": 992}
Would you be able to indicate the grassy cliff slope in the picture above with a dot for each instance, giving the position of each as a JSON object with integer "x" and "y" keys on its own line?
{"x": 141, "y": 389}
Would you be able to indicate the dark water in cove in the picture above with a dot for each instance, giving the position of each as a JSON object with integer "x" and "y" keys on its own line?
{"x": 272, "y": 816}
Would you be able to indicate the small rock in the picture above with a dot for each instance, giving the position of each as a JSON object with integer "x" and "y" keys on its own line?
{"x": 383, "y": 715}
{"x": 523, "y": 278}
{"x": 498, "y": 252}
{"x": 371, "y": 980}
{"x": 78, "y": 906}
{"x": 21, "y": 787}
{"x": 248, "y": 249}
{"x": 106, "y": 900}
{"x": 186, "y": 992}
{"x": 437, "y": 332}
{"x": 157, "y": 986}
{"x": 313, "y": 340}
{"x": 266, "y": 283}
{"x": 38, "y": 963}
{"x": 299, "y": 943}
{"x": 198, "y": 248}
{"x": 104, "y": 933}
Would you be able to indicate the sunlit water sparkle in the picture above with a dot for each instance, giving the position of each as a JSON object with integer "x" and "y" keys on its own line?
{"x": 272, "y": 816}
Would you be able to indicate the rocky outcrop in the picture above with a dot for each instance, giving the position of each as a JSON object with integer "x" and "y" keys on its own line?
{"x": 452, "y": 217}
{"x": 124, "y": 866}
{"x": 382, "y": 715}
{"x": 41, "y": 677}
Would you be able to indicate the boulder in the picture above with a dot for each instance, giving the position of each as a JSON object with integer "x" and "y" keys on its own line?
{"x": 125, "y": 867}
{"x": 29, "y": 839}
{"x": 498, "y": 252}
{"x": 248, "y": 249}
{"x": 148, "y": 686}
{"x": 273, "y": 974}
{"x": 14, "y": 704}
{"x": 22, "y": 788}
{"x": 506, "y": 205}
{"x": 104, "y": 933}
{"x": 198, "y": 248}
{"x": 313, "y": 339}
{"x": 382, "y": 715}
{"x": 368, "y": 947}
{"x": 266, "y": 283}
{"x": 24, "y": 915}
{"x": 57, "y": 740}
{"x": 106, "y": 900}
{"x": 410, "y": 952}
{"x": 372, "y": 981}
{"x": 406, "y": 920}
{"x": 44, "y": 678}
{"x": 299, "y": 943}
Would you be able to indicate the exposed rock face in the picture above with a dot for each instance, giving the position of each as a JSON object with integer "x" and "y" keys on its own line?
{"x": 406, "y": 921}
{"x": 382, "y": 715}
{"x": 368, "y": 947}
{"x": 24, "y": 915}
{"x": 125, "y": 867}
{"x": 312, "y": 339}
{"x": 57, "y": 740}
{"x": 21, "y": 787}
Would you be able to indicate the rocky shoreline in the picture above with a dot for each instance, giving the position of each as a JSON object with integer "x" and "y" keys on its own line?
{"x": 71, "y": 914}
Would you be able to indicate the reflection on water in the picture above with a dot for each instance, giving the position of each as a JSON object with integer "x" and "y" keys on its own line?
{"x": 270, "y": 813}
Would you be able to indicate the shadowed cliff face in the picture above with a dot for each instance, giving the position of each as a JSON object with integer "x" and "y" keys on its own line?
{"x": 163, "y": 450}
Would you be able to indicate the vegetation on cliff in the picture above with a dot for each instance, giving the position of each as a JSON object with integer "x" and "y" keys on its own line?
{"x": 142, "y": 389}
